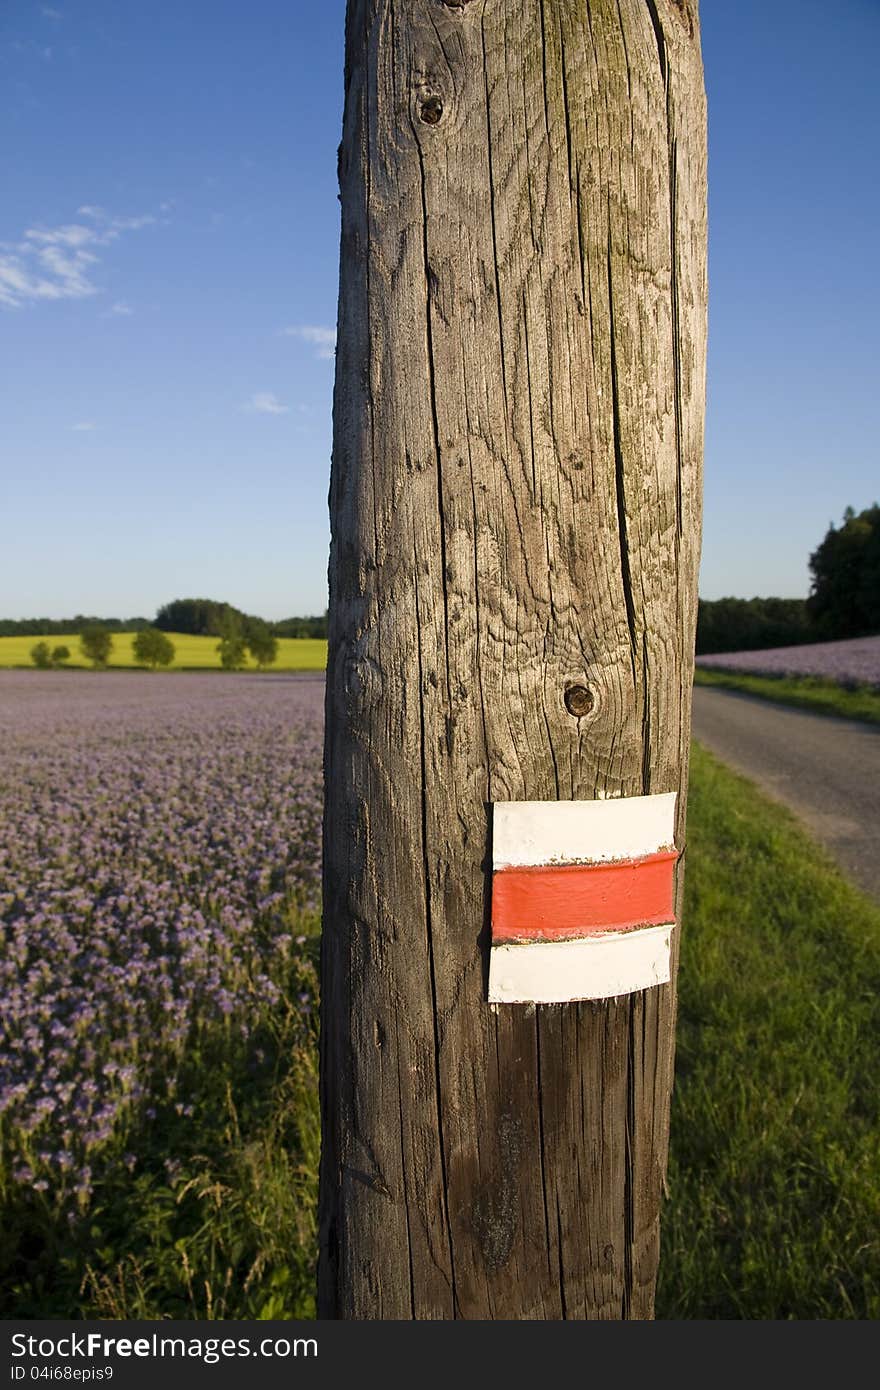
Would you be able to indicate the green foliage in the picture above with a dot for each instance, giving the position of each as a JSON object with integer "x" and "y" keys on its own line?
{"x": 774, "y": 1193}
{"x": 96, "y": 644}
{"x": 200, "y": 617}
{"x": 232, "y": 647}
{"x": 302, "y": 627}
{"x": 153, "y": 648}
{"x": 261, "y": 642}
{"x": 197, "y": 617}
{"x": 208, "y": 617}
{"x": 753, "y": 624}
{"x": 233, "y": 652}
{"x": 806, "y": 692}
{"x": 45, "y": 657}
{"x": 844, "y": 599}
{"x": 69, "y": 627}
{"x": 845, "y": 596}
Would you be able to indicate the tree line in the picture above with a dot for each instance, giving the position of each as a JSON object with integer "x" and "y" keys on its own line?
{"x": 751, "y": 624}
{"x": 844, "y": 599}
{"x": 154, "y": 648}
{"x": 67, "y": 627}
{"x": 198, "y": 617}
{"x": 204, "y": 617}
{"x": 239, "y": 635}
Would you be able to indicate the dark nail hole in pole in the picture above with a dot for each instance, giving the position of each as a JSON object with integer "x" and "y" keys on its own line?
{"x": 579, "y": 700}
{"x": 431, "y": 111}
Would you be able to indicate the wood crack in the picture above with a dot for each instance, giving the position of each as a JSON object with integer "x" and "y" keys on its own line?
{"x": 432, "y": 386}
{"x": 629, "y": 1166}
{"x": 492, "y": 216}
{"x": 658, "y": 35}
{"x": 403, "y": 1111}
{"x": 541, "y": 1140}
{"x": 619, "y": 477}
{"x": 429, "y": 931}
{"x": 676, "y": 323}
{"x": 646, "y": 718}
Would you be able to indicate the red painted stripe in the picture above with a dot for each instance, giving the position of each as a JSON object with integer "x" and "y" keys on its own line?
{"x": 554, "y": 902}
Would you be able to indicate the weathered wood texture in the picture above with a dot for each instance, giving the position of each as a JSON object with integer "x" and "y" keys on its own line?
{"x": 515, "y": 503}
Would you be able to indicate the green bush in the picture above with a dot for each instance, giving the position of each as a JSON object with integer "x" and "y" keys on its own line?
{"x": 152, "y": 648}
{"x": 261, "y": 643}
{"x": 96, "y": 644}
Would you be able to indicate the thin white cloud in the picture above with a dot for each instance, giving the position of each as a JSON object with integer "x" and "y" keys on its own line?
{"x": 121, "y": 307}
{"x": 83, "y": 425}
{"x": 56, "y": 262}
{"x": 71, "y": 235}
{"x": 323, "y": 339}
{"x": 50, "y": 13}
{"x": 265, "y": 403}
{"x": 127, "y": 224}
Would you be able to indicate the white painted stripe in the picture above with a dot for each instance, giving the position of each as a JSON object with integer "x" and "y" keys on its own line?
{"x": 581, "y": 832}
{"x": 596, "y": 967}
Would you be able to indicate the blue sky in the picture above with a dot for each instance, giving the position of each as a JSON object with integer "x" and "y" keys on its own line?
{"x": 168, "y": 276}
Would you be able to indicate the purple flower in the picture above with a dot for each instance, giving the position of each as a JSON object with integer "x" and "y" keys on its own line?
{"x": 152, "y": 839}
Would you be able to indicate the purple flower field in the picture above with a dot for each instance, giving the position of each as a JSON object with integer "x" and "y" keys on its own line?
{"x": 155, "y": 832}
{"x": 855, "y": 662}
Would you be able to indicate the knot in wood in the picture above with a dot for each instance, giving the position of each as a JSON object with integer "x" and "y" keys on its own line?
{"x": 579, "y": 700}
{"x": 430, "y": 110}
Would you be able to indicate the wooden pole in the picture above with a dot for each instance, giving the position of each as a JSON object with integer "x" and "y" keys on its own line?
{"x": 515, "y": 505}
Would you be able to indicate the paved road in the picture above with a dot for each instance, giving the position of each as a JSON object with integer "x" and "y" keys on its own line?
{"x": 827, "y": 770}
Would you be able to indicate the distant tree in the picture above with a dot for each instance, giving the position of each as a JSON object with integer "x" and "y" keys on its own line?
{"x": 232, "y": 645}
{"x": 31, "y": 627}
{"x": 845, "y": 595}
{"x": 261, "y": 643}
{"x": 152, "y": 648}
{"x": 96, "y": 644}
{"x": 41, "y": 656}
{"x": 233, "y": 652}
{"x": 60, "y": 654}
{"x": 749, "y": 624}
{"x": 301, "y": 627}
{"x": 199, "y": 617}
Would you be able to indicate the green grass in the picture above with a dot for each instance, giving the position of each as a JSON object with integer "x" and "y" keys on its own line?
{"x": 806, "y": 692}
{"x": 774, "y": 1178}
{"x": 191, "y": 653}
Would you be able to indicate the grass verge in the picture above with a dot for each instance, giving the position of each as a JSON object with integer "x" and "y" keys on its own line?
{"x": 774, "y": 1176}
{"x": 806, "y": 692}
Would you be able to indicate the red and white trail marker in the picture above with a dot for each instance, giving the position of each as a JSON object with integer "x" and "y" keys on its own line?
{"x": 582, "y": 898}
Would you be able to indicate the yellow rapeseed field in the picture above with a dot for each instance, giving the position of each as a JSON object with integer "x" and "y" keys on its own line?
{"x": 190, "y": 654}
